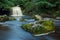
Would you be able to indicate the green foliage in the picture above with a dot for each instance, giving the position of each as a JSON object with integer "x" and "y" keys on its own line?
{"x": 42, "y": 7}
{"x": 27, "y": 27}
{"x": 6, "y": 18}
{"x": 48, "y": 25}
{"x": 34, "y": 6}
{"x": 3, "y": 18}
{"x": 6, "y": 3}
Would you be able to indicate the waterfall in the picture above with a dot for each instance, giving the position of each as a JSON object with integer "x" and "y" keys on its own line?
{"x": 16, "y": 12}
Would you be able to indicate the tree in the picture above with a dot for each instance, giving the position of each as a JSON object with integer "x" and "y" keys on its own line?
{"x": 33, "y": 6}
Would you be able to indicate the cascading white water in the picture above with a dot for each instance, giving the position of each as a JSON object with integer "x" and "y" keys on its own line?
{"x": 16, "y": 11}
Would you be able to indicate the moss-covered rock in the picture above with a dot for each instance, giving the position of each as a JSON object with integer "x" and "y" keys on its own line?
{"x": 3, "y": 18}
{"x": 34, "y": 30}
{"x": 44, "y": 27}
{"x": 48, "y": 25}
{"x": 6, "y": 18}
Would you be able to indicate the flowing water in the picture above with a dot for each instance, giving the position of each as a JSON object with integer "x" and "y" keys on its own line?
{"x": 16, "y": 32}
{"x": 16, "y": 11}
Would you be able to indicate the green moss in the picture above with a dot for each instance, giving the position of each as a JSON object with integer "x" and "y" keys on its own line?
{"x": 34, "y": 30}
{"x": 48, "y": 25}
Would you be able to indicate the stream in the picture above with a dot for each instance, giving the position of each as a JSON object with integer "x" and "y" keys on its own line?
{"x": 17, "y": 33}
